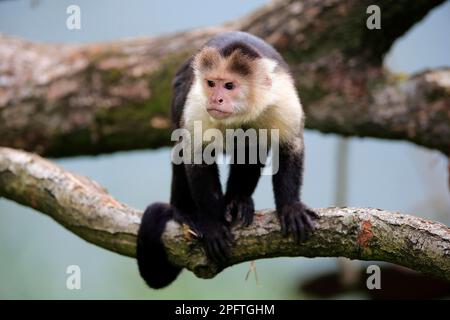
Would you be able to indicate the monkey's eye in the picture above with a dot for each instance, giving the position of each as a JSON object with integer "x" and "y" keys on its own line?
{"x": 229, "y": 85}
{"x": 210, "y": 83}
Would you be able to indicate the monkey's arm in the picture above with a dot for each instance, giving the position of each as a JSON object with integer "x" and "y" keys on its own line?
{"x": 206, "y": 191}
{"x": 295, "y": 217}
{"x": 240, "y": 187}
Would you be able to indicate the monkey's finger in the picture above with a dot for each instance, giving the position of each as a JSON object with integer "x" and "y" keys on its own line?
{"x": 239, "y": 216}
{"x": 302, "y": 235}
{"x": 308, "y": 222}
{"x": 301, "y": 228}
{"x": 247, "y": 220}
{"x": 212, "y": 253}
{"x": 216, "y": 251}
{"x": 228, "y": 234}
{"x": 220, "y": 248}
{"x": 243, "y": 213}
{"x": 207, "y": 250}
{"x": 284, "y": 229}
{"x": 312, "y": 213}
{"x": 293, "y": 227}
{"x": 248, "y": 217}
{"x": 235, "y": 210}
{"x": 224, "y": 249}
{"x": 228, "y": 216}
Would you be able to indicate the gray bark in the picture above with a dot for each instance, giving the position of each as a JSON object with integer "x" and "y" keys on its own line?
{"x": 85, "y": 208}
{"x": 63, "y": 100}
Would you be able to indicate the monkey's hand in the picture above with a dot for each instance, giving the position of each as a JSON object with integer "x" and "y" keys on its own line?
{"x": 216, "y": 238}
{"x": 240, "y": 208}
{"x": 297, "y": 219}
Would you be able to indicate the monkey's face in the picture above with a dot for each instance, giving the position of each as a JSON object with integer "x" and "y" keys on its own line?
{"x": 226, "y": 82}
{"x": 226, "y": 96}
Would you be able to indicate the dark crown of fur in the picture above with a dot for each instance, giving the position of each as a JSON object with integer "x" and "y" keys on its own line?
{"x": 241, "y": 62}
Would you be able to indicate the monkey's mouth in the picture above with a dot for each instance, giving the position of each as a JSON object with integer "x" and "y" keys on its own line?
{"x": 218, "y": 114}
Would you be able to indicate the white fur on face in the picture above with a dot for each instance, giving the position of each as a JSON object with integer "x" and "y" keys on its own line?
{"x": 272, "y": 103}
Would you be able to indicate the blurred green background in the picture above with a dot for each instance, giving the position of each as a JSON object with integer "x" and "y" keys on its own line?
{"x": 35, "y": 251}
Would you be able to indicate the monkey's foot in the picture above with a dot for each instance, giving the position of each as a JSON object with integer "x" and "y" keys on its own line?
{"x": 297, "y": 219}
{"x": 216, "y": 238}
{"x": 240, "y": 209}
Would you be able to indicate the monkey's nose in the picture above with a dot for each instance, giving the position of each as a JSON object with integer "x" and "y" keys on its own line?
{"x": 220, "y": 100}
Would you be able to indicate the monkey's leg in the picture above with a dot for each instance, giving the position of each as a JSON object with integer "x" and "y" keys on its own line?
{"x": 295, "y": 217}
{"x": 151, "y": 256}
{"x": 241, "y": 184}
{"x": 206, "y": 192}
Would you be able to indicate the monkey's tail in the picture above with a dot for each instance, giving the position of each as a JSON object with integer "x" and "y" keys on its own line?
{"x": 153, "y": 264}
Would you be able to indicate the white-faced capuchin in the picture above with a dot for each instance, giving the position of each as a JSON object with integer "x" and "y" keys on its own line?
{"x": 235, "y": 80}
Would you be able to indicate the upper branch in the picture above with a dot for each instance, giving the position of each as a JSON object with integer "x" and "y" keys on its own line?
{"x": 85, "y": 208}
{"x": 64, "y": 100}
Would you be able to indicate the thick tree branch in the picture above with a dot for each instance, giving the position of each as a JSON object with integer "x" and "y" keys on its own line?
{"x": 64, "y": 100}
{"x": 85, "y": 208}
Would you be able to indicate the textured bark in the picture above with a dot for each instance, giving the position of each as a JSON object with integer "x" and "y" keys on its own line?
{"x": 64, "y": 100}
{"x": 85, "y": 208}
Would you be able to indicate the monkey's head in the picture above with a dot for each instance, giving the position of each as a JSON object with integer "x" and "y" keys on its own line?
{"x": 232, "y": 81}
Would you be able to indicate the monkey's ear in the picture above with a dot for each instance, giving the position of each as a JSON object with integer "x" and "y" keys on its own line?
{"x": 207, "y": 59}
{"x": 266, "y": 69}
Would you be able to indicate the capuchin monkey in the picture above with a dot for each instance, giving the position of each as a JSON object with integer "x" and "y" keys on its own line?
{"x": 235, "y": 80}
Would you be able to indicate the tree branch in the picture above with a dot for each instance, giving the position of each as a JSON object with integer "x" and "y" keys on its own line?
{"x": 62, "y": 100}
{"x": 85, "y": 208}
